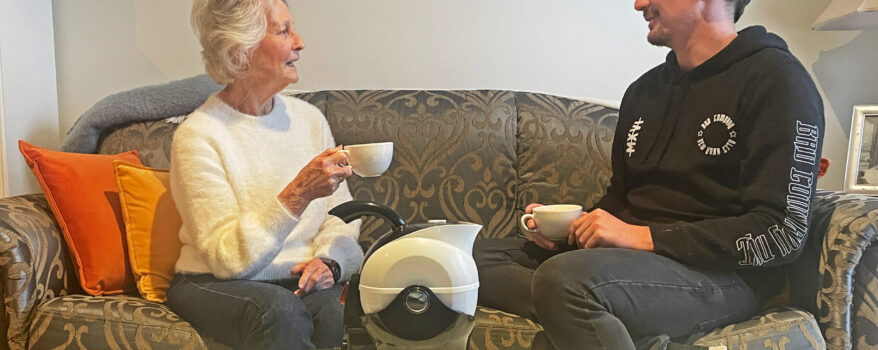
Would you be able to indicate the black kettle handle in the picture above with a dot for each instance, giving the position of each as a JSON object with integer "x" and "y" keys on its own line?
{"x": 350, "y": 211}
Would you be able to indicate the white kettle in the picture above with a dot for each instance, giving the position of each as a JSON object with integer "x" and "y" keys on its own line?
{"x": 418, "y": 286}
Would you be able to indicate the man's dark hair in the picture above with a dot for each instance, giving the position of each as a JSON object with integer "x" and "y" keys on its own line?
{"x": 739, "y": 7}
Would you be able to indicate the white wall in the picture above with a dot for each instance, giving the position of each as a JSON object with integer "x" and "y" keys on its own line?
{"x": 30, "y": 107}
{"x": 572, "y": 48}
{"x": 843, "y": 65}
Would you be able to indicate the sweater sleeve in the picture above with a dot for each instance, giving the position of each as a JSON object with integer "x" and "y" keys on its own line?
{"x": 337, "y": 240}
{"x": 778, "y": 176}
{"x": 235, "y": 241}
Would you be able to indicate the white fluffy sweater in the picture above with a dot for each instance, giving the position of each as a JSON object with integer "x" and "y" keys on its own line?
{"x": 227, "y": 169}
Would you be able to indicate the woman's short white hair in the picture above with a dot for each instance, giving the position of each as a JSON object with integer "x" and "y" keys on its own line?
{"x": 229, "y": 31}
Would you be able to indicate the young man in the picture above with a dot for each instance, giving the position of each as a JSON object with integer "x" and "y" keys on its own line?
{"x": 715, "y": 161}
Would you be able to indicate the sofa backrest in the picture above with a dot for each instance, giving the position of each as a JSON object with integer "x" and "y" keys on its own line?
{"x": 467, "y": 155}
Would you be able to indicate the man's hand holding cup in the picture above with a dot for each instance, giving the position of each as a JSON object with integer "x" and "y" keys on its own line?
{"x": 548, "y": 224}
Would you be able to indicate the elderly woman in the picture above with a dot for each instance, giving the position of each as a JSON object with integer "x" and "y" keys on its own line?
{"x": 262, "y": 262}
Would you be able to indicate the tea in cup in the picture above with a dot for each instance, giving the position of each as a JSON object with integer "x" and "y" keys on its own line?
{"x": 553, "y": 221}
{"x": 369, "y": 159}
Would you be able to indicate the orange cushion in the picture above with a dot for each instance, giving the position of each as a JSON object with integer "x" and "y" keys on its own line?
{"x": 152, "y": 226}
{"x": 82, "y": 192}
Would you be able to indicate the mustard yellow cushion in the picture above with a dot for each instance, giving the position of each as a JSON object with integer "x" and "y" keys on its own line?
{"x": 152, "y": 227}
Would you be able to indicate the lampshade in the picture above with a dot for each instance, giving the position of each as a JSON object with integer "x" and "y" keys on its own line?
{"x": 848, "y": 15}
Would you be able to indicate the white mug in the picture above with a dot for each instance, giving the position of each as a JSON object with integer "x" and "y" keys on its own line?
{"x": 369, "y": 159}
{"x": 553, "y": 221}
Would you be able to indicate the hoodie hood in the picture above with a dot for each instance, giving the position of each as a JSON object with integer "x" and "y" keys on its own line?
{"x": 749, "y": 41}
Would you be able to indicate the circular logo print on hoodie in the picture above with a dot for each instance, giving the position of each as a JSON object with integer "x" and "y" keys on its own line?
{"x": 716, "y": 135}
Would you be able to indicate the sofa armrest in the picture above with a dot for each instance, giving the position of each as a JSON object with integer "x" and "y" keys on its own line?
{"x": 864, "y": 306}
{"x": 34, "y": 263}
{"x": 844, "y": 226}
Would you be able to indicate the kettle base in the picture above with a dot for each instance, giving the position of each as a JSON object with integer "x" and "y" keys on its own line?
{"x": 455, "y": 337}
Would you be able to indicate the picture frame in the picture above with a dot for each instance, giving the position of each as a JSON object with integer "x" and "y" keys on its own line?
{"x": 861, "y": 170}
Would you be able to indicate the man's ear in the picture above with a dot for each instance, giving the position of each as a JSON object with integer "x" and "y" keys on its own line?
{"x": 824, "y": 166}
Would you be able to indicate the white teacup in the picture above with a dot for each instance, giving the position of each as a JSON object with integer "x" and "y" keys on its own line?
{"x": 369, "y": 159}
{"x": 553, "y": 221}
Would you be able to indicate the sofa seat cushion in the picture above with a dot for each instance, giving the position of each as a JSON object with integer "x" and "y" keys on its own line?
{"x": 117, "y": 322}
{"x": 781, "y": 328}
{"x": 86, "y": 322}
{"x": 501, "y": 330}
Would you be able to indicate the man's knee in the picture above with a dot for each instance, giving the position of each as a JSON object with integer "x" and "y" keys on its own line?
{"x": 575, "y": 274}
{"x": 553, "y": 277}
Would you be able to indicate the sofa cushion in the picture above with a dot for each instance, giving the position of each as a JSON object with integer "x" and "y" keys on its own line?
{"x": 563, "y": 150}
{"x": 84, "y": 197}
{"x": 118, "y": 322}
{"x": 782, "y": 328}
{"x": 85, "y": 322}
{"x": 501, "y": 330}
{"x": 152, "y": 227}
{"x": 151, "y": 139}
{"x": 453, "y": 154}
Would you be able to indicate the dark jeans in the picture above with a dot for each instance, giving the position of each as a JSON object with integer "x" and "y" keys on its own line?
{"x": 608, "y": 298}
{"x": 258, "y": 315}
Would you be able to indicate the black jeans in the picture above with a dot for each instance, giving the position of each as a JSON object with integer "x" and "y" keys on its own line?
{"x": 608, "y": 298}
{"x": 258, "y": 315}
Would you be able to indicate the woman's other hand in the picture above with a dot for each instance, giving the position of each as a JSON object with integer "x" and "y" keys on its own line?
{"x": 313, "y": 275}
{"x": 318, "y": 179}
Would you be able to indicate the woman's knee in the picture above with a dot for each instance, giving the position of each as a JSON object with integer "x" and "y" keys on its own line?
{"x": 279, "y": 306}
{"x": 325, "y": 306}
{"x": 276, "y": 319}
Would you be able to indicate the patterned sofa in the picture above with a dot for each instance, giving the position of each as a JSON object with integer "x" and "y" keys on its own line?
{"x": 477, "y": 156}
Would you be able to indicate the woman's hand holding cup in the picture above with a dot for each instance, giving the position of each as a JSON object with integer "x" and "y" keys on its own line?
{"x": 369, "y": 159}
{"x": 319, "y": 178}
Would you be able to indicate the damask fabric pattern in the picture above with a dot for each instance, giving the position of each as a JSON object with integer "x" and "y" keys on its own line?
{"x": 864, "y": 308}
{"x": 563, "y": 150}
{"x": 128, "y": 322}
{"x": 456, "y": 156}
{"x": 501, "y": 330}
{"x": 852, "y": 228}
{"x": 35, "y": 265}
{"x": 784, "y": 328}
{"x": 117, "y": 322}
{"x": 152, "y": 140}
{"x": 453, "y": 154}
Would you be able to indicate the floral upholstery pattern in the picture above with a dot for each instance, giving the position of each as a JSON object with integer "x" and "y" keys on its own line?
{"x": 784, "y": 328}
{"x": 846, "y": 301}
{"x": 477, "y": 156}
{"x": 864, "y": 306}
{"x": 501, "y": 330}
{"x": 117, "y": 322}
{"x": 453, "y": 154}
{"x": 563, "y": 150}
{"x": 151, "y": 139}
{"x": 35, "y": 265}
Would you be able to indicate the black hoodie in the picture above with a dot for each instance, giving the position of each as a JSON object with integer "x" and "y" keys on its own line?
{"x": 721, "y": 161}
